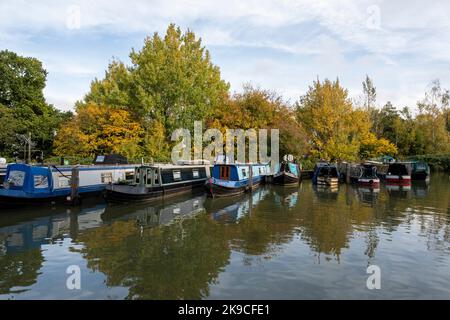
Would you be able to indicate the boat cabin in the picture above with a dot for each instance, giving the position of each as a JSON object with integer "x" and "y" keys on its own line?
{"x": 239, "y": 172}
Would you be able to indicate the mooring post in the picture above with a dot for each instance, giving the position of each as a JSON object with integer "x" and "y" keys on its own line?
{"x": 347, "y": 173}
{"x": 74, "y": 185}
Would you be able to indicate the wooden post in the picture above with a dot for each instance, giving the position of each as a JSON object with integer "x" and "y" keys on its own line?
{"x": 74, "y": 185}
{"x": 347, "y": 174}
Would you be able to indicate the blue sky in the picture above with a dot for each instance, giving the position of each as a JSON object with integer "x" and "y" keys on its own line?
{"x": 279, "y": 45}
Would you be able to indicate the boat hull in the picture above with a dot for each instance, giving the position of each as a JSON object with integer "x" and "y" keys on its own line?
{"x": 399, "y": 180}
{"x": 420, "y": 176}
{"x": 124, "y": 193}
{"x": 15, "y": 202}
{"x": 366, "y": 182}
{"x": 285, "y": 179}
{"x": 214, "y": 190}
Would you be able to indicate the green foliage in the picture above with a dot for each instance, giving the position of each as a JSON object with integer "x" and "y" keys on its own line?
{"x": 23, "y": 108}
{"x": 437, "y": 162}
{"x": 426, "y": 133}
{"x": 170, "y": 84}
{"x": 75, "y": 159}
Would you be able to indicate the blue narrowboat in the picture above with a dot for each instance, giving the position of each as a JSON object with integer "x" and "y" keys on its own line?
{"x": 234, "y": 179}
{"x": 26, "y": 184}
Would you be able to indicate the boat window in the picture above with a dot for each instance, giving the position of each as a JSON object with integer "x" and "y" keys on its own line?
{"x": 149, "y": 177}
{"x": 106, "y": 177}
{"x": 63, "y": 181}
{"x": 17, "y": 178}
{"x": 195, "y": 173}
{"x": 244, "y": 174}
{"x": 129, "y": 176}
{"x": 156, "y": 177}
{"x": 176, "y": 175}
{"x": 137, "y": 175}
{"x": 40, "y": 182}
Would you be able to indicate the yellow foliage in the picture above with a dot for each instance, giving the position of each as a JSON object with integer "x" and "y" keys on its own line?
{"x": 335, "y": 129}
{"x": 100, "y": 129}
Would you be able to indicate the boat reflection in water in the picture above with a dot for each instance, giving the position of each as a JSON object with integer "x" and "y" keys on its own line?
{"x": 33, "y": 228}
{"x": 286, "y": 196}
{"x": 293, "y": 243}
{"x": 232, "y": 209}
{"x": 159, "y": 213}
{"x": 420, "y": 188}
{"x": 368, "y": 196}
{"x": 326, "y": 192}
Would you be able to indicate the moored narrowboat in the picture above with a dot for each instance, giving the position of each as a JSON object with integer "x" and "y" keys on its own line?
{"x": 286, "y": 173}
{"x": 326, "y": 174}
{"x": 398, "y": 173}
{"x": 157, "y": 181}
{"x": 419, "y": 170}
{"x": 26, "y": 184}
{"x": 364, "y": 174}
{"x": 229, "y": 179}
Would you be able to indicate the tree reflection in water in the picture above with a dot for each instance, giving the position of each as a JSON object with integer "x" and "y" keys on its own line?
{"x": 177, "y": 249}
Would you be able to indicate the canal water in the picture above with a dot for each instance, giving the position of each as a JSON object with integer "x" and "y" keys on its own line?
{"x": 277, "y": 243}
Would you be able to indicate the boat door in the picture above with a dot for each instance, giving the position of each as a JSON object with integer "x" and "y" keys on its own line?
{"x": 152, "y": 177}
{"x": 225, "y": 173}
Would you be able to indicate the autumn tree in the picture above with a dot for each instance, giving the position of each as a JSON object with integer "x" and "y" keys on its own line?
{"x": 100, "y": 129}
{"x": 256, "y": 108}
{"x": 335, "y": 129}
{"x": 170, "y": 83}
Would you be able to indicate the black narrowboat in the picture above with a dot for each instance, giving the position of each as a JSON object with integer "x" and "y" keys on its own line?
{"x": 326, "y": 174}
{"x": 286, "y": 173}
{"x": 156, "y": 181}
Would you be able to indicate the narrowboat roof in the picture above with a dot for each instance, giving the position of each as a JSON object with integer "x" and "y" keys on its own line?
{"x": 411, "y": 161}
{"x": 172, "y": 166}
{"x": 242, "y": 164}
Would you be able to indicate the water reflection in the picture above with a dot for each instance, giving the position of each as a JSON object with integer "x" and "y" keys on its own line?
{"x": 326, "y": 193}
{"x": 367, "y": 195}
{"x": 286, "y": 196}
{"x": 193, "y": 247}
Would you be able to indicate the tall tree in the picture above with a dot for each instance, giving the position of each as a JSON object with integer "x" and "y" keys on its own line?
{"x": 335, "y": 129}
{"x": 370, "y": 93}
{"x": 262, "y": 109}
{"x": 22, "y": 103}
{"x": 170, "y": 84}
{"x": 432, "y": 121}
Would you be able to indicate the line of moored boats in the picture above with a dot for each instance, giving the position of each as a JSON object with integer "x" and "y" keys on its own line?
{"x": 123, "y": 182}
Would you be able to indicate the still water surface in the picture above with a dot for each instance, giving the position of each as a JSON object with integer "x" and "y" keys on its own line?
{"x": 278, "y": 243}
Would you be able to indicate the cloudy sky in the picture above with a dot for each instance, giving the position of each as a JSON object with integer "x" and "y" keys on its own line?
{"x": 280, "y": 45}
